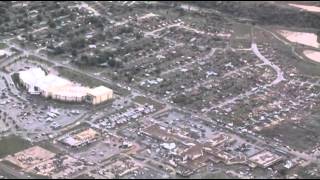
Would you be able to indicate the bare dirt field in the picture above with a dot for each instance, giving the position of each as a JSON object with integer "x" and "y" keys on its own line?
{"x": 308, "y": 39}
{"x": 313, "y": 55}
{"x": 307, "y": 8}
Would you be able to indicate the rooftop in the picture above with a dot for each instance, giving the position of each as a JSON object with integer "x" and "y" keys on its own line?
{"x": 58, "y": 86}
{"x": 265, "y": 158}
{"x": 98, "y": 91}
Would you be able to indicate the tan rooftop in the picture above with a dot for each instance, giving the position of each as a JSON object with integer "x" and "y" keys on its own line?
{"x": 99, "y": 91}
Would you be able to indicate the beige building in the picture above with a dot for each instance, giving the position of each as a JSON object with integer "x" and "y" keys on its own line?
{"x": 30, "y": 157}
{"x": 265, "y": 159}
{"x": 193, "y": 152}
{"x": 99, "y": 94}
{"x": 80, "y": 139}
{"x": 51, "y": 86}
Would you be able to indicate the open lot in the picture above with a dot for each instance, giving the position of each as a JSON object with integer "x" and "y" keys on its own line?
{"x": 12, "y": 144}
{"x": 3, "y": 46}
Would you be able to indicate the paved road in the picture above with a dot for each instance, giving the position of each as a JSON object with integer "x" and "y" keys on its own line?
{"x": 153, "y": 33}
{"x": 279, "y": 72}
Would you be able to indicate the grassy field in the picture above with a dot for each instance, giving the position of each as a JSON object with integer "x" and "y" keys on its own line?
{"x": 296, "y": 137}
{"x": 11, "y": 171}
{"x": 48, "y": 146}
{"x": 12, "y": 144}
{"x": 216, "y": 175}
{"x": 241, "y": 31}
{"x": 88, "y": 81}
{"x": 308, "y": 68}
{"x": 305, "y": 65}
{"x": 304, "y": 172}
{"x": 3, "y": 46}
{"x": 84, "y": 176}
{"x": 6, "y": 175}
{"x": 241, "y": 37}
{"x": 34, "y": 58}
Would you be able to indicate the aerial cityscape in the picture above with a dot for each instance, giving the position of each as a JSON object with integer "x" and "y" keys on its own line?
{"x": 159, "y": 89}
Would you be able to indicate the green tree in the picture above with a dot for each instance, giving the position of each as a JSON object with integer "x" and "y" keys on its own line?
{"x": 39, "y": 17}
{"x": 52, "y": 24}
{"x": 157, "y": 71}
{"x": 112, "y": 63}
{"x": 30, "y": 37}
{"x": 74, "y": 53}
{"x": 179, "y": 99}
{"x": 84, "y": 60}
{"x": 78, "y": 43}
{"x": 59, "y": 50}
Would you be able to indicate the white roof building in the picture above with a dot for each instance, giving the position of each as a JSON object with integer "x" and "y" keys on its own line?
{"x": 100, "y": 94}
{"x": 2, "y": 53}
{"x": 55, "y": 87}
{"x": 99, "y": 91}
{"x": 31, "y": 77}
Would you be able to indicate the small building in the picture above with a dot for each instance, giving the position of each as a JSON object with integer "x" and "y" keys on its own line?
{"x": 193, "y": 152}
{"x": 81, "y": 138}
{"x": 99, "y": 95}
{"x": 265, "y": 159}
{"x": 217, "y": 140}
{"x": 157, "y": 132}
{"x": 3, "y": 54}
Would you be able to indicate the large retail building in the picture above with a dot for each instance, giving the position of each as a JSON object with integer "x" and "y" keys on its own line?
{"x": 52, "y": 86}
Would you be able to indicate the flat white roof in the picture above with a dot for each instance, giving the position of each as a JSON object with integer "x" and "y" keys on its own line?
{"x": 37, "y": 77}
{"x": 71, "y": 141}
{"x": 2, "y": 53}
{"x": 69, "y": 91}
{"x": 58, "y": 86}
{"x": 265, "y": 158}
{"x": 99, "y": 91}
{"x": 51, "y": 80}
{"x": 32, "y": 76}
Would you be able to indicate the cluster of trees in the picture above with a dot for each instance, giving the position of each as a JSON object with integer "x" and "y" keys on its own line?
{"x": 264, "y": 13}
{"x": 78, "y": 43}
{"x": 4, "y": 15}
{"x": 98, "y": 58}
{"x": 138, "y": 45}
{"x": 96, "y": 21}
